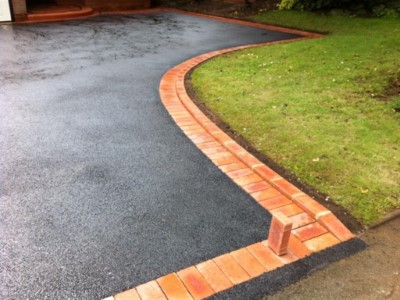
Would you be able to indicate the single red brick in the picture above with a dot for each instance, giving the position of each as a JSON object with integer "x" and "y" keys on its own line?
{"x": 276, "y": 202}
{"x": 194, "y": 131}
{"x": 195, "y": 283}
{"x": 288, "y": 210}
{"x": 173, "y": 288}
{"x": 128, "y": 295}
{"x": 231, "y": 268}
{"x": 265, "y": 172}
{"x": 222, "y": 137}
{"x": 200, "y": 138}
{"x": 211, "y": 127}
{"x": 265, "y": 256}
{"x": 192, "y": 108}
{"x": 225, "y": 160}
{"x": 247, "y": 158}
{"x": 301, "y": 220}
{"x": 321, "y": 242}
{"x": 186, "y": 123}
{"x": 214, "y": 276}
{"x": 220, "y": 155}
{"x": 209, "y": 145}
{"x": 285, "y": 187}
{"x": 279, "y": 233}
{"x": 330, "y": 222}
{"x": 248, "y": 262}
{"x": 296, "y": 247}
{"x": 184, "y": 114}
{"x": 245, "y": 180}
{"x": 266, "y": 194}
{"x": 150, "y": 291}
{"x": 184, "y": 119}
{"x": 309, "y": 205}
{"x": 232, "y": 167}
{"x": 240, "y": 173}
{"x": 170, "y": 97}
{"x": 234, "y": 147}
{"x": 200, "y": 117}
{"x": 256, "y": 187}
{"x": 309, "y": 231}
{"x": 214, "y": 150}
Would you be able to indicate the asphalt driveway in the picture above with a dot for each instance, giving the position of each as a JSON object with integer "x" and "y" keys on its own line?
{"x": 99, "y": 190}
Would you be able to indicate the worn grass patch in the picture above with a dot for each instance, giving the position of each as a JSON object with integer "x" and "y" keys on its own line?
{"x": 326, "y": 109}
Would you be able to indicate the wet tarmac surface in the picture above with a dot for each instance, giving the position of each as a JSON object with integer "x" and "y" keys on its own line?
{"x": 100, "y": 190}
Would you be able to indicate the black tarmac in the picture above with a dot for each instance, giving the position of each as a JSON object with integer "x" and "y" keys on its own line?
{"x": 100, "y": 190}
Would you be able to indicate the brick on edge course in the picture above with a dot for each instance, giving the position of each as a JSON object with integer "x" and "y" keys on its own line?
{"x": 309, "y": 205}
{"x": 211, "y": 127}
{"x": 195, "y": 283}
{"x": 265, "y": 256}
{"x": 321, "y": 242}
{"x": 248, "y": 159}
{"x": 332, "y": 223}
{"x": 201, "y": 118}
{"x": 285, "y": 187}
{"x": 231, "y": 268}
{"x": 173, "y": 288}
{"x": 234, "y": 147}
{"x": 128, "y": 295}
{"x": 191, "y": 108}
{"x": 222, "y": 137}
{"x": 309, "y": 231}
{"x": 248, "y": 262}
{"x": 150, "y": 291}
{"x": 266, "y": 172}
{"x": 214, "y": 276}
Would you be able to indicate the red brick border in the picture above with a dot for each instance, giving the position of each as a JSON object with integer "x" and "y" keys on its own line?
{"x": 301, "y": 225}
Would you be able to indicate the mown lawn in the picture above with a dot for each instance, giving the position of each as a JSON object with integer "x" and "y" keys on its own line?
{"x": 325, "y": 109}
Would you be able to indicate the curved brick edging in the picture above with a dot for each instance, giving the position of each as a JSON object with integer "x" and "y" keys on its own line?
{"x": 314, "y": 227}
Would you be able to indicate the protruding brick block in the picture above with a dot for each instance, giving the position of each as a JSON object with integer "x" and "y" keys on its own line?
{"x": 279, "y": 233}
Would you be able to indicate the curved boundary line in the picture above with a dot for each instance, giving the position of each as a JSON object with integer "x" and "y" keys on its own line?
{"x": 315, "y": 228}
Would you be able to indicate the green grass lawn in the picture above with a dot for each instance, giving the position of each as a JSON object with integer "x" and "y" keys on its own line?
{"x": 321, "y": 108}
